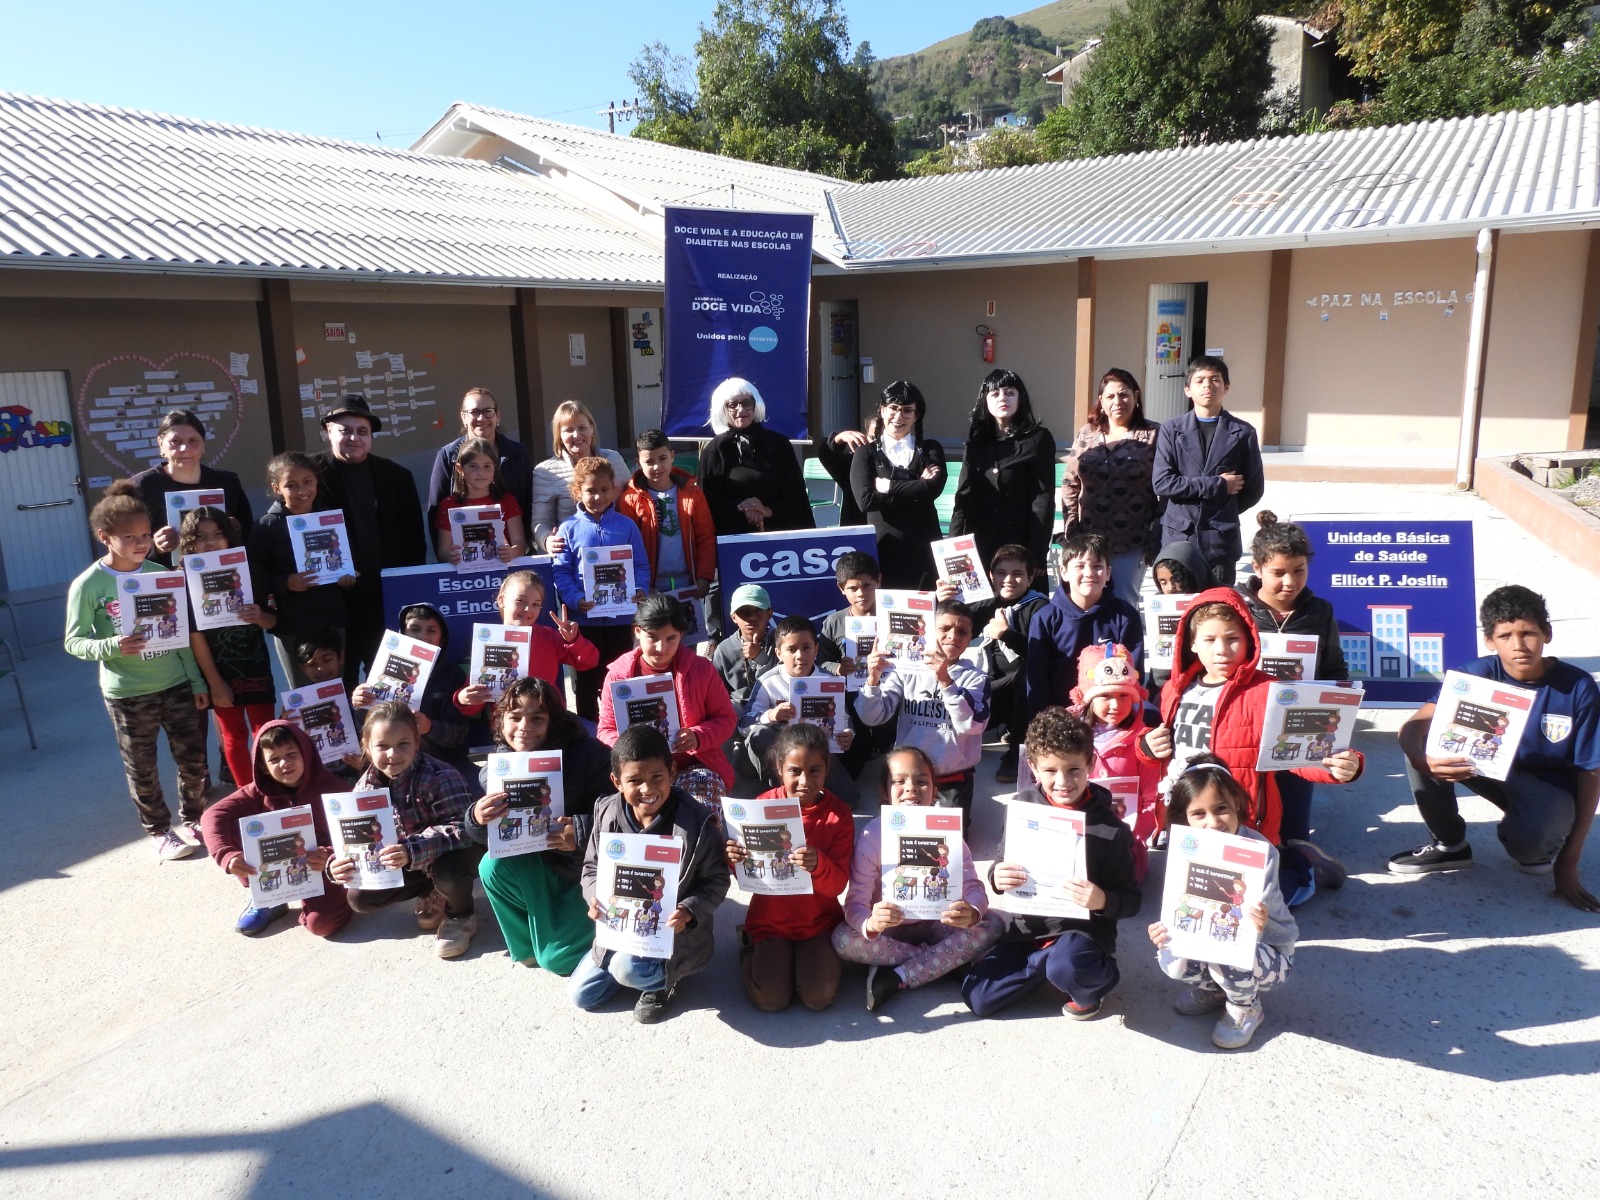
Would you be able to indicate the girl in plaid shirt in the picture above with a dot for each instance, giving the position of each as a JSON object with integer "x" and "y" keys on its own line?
{"x": 429, "y": 798}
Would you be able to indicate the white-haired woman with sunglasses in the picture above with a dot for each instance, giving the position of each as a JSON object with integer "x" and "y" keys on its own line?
{"x": 749, "y": 473}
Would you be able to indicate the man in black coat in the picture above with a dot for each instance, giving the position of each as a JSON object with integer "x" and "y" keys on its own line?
{"x": 382, "y": 514}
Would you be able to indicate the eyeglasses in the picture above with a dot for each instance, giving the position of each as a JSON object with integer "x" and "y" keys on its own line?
{"x": 354, "y": 432}
{"x": 735, "y": 405}
{"x": 890, "y": 406}
{"x": 474, "y": 414}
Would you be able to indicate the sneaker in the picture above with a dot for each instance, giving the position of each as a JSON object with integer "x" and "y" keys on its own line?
{"x": 170, "y": 847}
{"x": 192, "y": 828}
{"x": 1236, "y": 1026}
{"x": 455, "y": 935}
{"x": 430, "y": 912}
{"x": 1006, "y": 772}
{"x": 1074, "y": 1011}
{"x": 882, "y": 984}
{"x": 1430, "y": 856}
{"x": 652, "y": 1006}
{"x": 1327, "y": 870}
{"x": 1199, "y": 1000}
{"x": 1535, "y": 868}
{"x": 253, "y": 921}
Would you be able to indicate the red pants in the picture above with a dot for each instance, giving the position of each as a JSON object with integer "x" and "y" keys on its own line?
{"x": 236, "y": 737}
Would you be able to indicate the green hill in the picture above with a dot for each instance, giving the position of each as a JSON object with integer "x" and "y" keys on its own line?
{"x": 992, "y": 69}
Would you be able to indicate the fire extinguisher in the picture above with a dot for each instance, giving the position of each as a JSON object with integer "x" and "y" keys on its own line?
{"x": 987, "y": 335}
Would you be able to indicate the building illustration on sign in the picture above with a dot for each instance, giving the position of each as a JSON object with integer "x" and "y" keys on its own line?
{"x": 1391, "y": 650}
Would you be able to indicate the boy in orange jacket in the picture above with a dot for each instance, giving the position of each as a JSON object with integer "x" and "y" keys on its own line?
{"x": 673, "y": 518}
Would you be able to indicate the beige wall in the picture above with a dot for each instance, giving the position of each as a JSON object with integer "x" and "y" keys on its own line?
{"x": 1236, "y": 316}
{"x": 919, "y": 325}
{"x": 591, "y": 384}
{"x": 104, "y": 344}
{"x": 1534, "y": 337}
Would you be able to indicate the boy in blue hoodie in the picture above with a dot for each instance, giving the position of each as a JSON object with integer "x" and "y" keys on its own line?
{"x": 1081, "y": 613}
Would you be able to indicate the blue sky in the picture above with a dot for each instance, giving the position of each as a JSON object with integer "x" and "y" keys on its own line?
{"x": 358, "y": 68}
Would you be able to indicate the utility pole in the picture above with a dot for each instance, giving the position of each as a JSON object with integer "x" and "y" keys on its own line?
{"x": 626, "y": 111}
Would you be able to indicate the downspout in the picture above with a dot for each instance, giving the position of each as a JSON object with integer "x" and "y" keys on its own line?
{"x": 1477, "y": 358}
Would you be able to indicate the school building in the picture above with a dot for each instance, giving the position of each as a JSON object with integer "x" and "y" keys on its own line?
{"x": 255, "y": 274}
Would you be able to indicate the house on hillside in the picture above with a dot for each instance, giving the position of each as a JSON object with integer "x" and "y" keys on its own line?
{"x": 1302, "y": 64}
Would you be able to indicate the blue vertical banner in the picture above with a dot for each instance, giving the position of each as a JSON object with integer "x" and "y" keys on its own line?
{"x": 1404, "y": 594}
{"x": 738, "y": 298}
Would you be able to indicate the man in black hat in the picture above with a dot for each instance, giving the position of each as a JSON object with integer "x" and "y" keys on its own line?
{"x": 382, "y": 514}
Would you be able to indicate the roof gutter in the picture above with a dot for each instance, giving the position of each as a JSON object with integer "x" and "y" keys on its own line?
{"x": 225, "y": 271}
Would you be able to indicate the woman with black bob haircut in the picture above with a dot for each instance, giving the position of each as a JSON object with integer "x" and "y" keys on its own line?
{"x": 896, "y": 478}
{"x": 181, "y": 442}
{"x": 1008, "y": 474}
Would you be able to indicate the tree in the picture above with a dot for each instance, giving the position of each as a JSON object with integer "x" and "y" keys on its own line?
{"x": 773, "y": 81}
{"x": 1167, "y": 73}
{"x": 1000, "y": 147}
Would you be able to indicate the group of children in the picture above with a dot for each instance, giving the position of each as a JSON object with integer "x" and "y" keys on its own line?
{"x": 1062, "y": 673}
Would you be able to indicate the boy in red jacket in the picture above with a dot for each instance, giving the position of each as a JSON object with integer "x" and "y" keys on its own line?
{"x": 1215, "y": 702}
{"x": 673, "y": 518}
{"x": 786, "y": 948}
{"x": 287, "y": 773}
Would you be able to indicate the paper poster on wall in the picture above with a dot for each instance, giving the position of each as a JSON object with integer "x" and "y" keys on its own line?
{"x": 122, "y": 400}
{"x": 400, "y": 394}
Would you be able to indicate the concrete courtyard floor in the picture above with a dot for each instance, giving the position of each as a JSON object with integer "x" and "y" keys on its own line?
{"x": 1438, "y": 1036}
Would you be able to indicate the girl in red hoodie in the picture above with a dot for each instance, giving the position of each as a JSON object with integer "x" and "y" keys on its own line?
{"x": 786, "y": 948}
{"x": 287, "y": 773}
{"x": 520, "y": 600}
{"x": 1216, "y": 702}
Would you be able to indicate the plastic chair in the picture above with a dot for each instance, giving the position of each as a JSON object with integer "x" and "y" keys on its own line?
{"x": 16, "y": 628}
{"x": 10, "y": 669}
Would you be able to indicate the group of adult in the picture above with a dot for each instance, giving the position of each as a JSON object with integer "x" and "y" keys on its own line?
{"x": 891, "y": 476}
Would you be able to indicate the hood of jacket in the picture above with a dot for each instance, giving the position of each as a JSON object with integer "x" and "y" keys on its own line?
{"x": 314, "y": 779}
{"x": 1183, "y": 656}
{"x": 444, "y": 626}
{"x": 1188, "y": 556}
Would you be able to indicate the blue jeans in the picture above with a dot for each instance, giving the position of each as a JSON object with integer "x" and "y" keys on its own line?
{"x": 593, "y": 984}
{"x": 1074, "y": 963}
{"x": 1127, "y": 576}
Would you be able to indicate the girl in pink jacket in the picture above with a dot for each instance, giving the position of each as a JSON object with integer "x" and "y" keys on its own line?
{"x": 705, "y": 713}
{"x": 1110, "y": 698}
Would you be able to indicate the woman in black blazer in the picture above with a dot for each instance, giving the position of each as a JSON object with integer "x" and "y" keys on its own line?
{"x": 1008, "y": 477}
{"x": 895, "y": 479}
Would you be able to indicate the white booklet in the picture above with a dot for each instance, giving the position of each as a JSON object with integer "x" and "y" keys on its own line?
{"x": 694, "y": 607}
{"x": 156, "y": 605}
{"x": 323, "y": 711}
{"x": 179, "y": 503}
{"x": 478, "y": 533}
{"x": 636, "y": 887}
{"x": 1480, "y": 720}
{"x": 859, "y": 635}
{"x": 362, "y": 824}
{"x": 769, "y": 830}
{"x": 1048, "y": 843}
{"x": 818, "y": 699}
{"x": 321, "y": 546}
{"x": 922, "y": 857}
{"x": 1212, "y": 878}
{"x": 276, "y": 844}
{"x": 1289, "y": 656}
{"x": 956, "y": 559}
{"x": 219, "y": 586}
{"x": 1161, "y": 617}
{"x": 607, "y": 573}
{"x": 401, "y": 669}
{"x": 499, "y": 657}
{"x": 1305, "y": 723}
{"x": 646, "y": 700}
{"x": 532, "y": 784}
{"x": 905, "y": 626}
{"x": 1124, "y": 791}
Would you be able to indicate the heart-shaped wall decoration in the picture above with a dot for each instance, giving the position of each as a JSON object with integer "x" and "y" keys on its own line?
{"x": 123, "y": 399}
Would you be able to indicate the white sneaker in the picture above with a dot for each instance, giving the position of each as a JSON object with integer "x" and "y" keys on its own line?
{"x": 1199, "y": 1000}
{"x": 455, "y": 935}
{"x": 169, "y": 846}
{"x": 1236, "y": 1026}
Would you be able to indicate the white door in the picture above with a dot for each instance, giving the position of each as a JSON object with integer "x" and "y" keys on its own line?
{"x": 1167, "y": 349}
{"x": 644, "y": 367}
{"x": 43, "y": 528}
{"x": 841, "y": 394}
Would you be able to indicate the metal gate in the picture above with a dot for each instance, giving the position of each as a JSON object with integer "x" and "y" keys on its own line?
{"x": 43, "y": 527}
